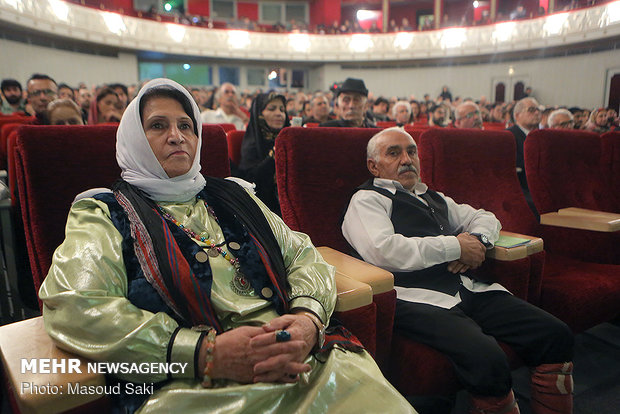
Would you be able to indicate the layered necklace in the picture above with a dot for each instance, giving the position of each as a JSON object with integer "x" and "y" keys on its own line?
{"x": 239, "y": 283}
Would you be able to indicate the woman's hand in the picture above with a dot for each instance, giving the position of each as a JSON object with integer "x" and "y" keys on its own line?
{"x": 285, "y": 359}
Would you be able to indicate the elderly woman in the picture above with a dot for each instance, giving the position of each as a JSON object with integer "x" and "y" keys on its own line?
{"x": 267, "y": 118}
{"x": 166, "y": 269}
{"x": 401, "y": 113}
{"x": 107, "y": 108}
{"x": 64, "y": 112}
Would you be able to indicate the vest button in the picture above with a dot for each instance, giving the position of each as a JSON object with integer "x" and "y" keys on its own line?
{"x": 268, "y": 293}
{"x": 432, "y": 210}
{"x": 440, "y": 227}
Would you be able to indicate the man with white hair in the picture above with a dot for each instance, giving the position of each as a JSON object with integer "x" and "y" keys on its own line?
{"x": 429, "y": 242}
{"x": 228, "y": 111}
{"x": 401, "y": 113}
{"x": 561, "y": 119}
{"x": 467, "y": 115}
{"x": 527, "y": 115}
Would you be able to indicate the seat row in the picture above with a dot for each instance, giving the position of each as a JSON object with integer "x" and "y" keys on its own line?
{"x": 314, "y": 183}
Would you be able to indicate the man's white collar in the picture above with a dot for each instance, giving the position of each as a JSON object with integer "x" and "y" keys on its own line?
{"x": 392, "y": 186}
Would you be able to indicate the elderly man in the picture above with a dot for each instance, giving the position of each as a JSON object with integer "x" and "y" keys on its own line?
{"x": 41, "y": 91}
{"x": 319, "y": 110}
{"x": 351, "y": 102}
{"x": 12, "y": 93}
{"x": 467, "y": 115}
{"x": 401, "y": 113}
{"x": 429, "y": 242}
{"x": 527, "y": 115}
{"x": 228, "y": 111}
{"x": 561, "y": 119}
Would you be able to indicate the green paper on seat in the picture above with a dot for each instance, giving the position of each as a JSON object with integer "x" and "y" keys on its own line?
{"x": 508, "y": 242}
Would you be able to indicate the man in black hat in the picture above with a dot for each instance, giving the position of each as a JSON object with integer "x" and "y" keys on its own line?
{"x": 351, "y": 102}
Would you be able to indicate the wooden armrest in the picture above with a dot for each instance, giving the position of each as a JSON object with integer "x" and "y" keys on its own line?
{"x": 352, "y": 294}
{"x": 507, "y": 254}
{"x": 27, "y": 340}
{"x": 582, "y": 219}
{"x": 379, "y": 280}
{"x": 574, "y": 211}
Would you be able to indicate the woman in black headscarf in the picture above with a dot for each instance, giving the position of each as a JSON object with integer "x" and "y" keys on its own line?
{"x": 267, "y": 118}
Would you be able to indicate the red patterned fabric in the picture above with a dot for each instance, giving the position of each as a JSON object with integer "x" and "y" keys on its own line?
{"x": 564, "y": 169}
{"x": 55, "y": 163}
{"x": 477, "y": 168}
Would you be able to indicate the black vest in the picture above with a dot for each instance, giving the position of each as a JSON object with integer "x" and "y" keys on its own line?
{"x": 412, "y": 218}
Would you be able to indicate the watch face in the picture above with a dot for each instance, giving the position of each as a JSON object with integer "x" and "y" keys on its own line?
{"x": 484, "y": 239}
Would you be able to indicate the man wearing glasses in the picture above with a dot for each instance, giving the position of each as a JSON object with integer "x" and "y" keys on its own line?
{"x": 467, "y": 115}
{"x": 527, "y": 115}
{"x": 561, "y": 119}
{"x": 41, "y": 91}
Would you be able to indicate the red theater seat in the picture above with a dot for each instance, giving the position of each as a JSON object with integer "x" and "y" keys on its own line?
{"x": 565, "y": 169}
{"x": 477, "y": 167}
{"x": 235, "y": 139}
{"x": 317, "y": 171}
{"x": 494, "y": 126}
{"x": 610, "y": 166}
{"x": 227, "y": 127}
{"x": 386, "y": 124}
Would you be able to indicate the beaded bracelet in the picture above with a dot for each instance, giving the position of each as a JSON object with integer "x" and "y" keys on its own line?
{"x": 206, "y": 378}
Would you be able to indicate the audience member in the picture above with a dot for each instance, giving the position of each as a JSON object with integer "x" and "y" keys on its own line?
{"x": 64, "y": 111}
{"x": 497, "y": 113}
{"x": 561, "y": 119}
{"x": 41, "y": 91}
{"x": 598, "y": 121}
{"x": 123, "y": 94}
{"x": 544, "y": 117}
{"x": 350, "y": 102}
{"x": 405, "y": 26}
{"x": 527, "y": 115}
{"x": 439, "y": 116}
{"x": 429, "y": 242}
{"x": 319, "y": 110}
{"x": 415, "y": 111}
{"x": 228, "y": 111}
{"x": 380, "y": 109}
{"x": 267, "y": 118}
{"x": 66, "y": 92}
{"x": 467, "y": 115}
{"x": 401, "y": 113}
{"x": 106, "y": 108}
{"x": 580, "y": 117}
{"x": 84, "y": 97}
{"x": 13, "y": 100}
{"x": 445, "y": 94}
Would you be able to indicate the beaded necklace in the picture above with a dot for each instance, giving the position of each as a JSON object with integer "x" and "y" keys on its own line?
{"x": 239, "y": 284}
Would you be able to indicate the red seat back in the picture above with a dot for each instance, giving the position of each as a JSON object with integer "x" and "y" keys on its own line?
{"x": 55, "y": 163}
{"x": 494, "y": 126}
{"x": 5, "y": 131}
{"x": 311, "y": 124}
{"x": 563, "y": 169}
{"x": 227, "y": 127}
{"x": 610, "y": 164}
{"x": 317, "y": 170}
{"x": 235, "y": 139}
{"x": 477, "y": 168}
{"x": 386, "y": 124}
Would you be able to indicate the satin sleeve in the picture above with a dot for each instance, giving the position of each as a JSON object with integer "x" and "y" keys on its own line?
{"x": 311, "y": 279}
{"x": 85, "y": 308}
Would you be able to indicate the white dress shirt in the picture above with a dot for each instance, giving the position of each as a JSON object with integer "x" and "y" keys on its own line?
{"x": 218, "y": 116}
{"x": 368, "y": 228}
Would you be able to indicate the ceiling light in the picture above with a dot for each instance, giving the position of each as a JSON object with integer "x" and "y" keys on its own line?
{"x": 403, "y": 40}
{"x": 503, "y": 31}
{"x": 299, "y": 42}
{"x": 451, "y": 38}
{"x": 360, "y": 42}
{"x": 555, "y": 24}
{"x": 238, "y": 39}
{"x": 176, "y": 32}
{"x": 114, "y": 22}
{"x": 60, "y": 9}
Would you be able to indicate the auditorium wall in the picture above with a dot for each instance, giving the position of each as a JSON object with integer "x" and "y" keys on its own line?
{"x": 572, "y": 80}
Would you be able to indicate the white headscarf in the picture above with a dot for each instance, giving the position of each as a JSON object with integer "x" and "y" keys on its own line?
{"x": 138, "y": 163}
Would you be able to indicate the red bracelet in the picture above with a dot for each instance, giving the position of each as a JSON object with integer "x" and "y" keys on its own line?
{"x": 206, "y": 374}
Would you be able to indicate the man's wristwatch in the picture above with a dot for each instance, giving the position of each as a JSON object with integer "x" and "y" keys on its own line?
{"x": 483, "y": 239}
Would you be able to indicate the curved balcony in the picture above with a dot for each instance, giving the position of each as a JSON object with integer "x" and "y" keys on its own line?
{"x": 59, "y": 18}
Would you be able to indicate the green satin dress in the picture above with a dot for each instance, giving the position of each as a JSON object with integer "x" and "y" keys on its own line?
{"x": 86, "y": 312}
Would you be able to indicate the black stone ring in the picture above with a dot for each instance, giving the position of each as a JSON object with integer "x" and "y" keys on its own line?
{"x": 283, "y": 336}
{"x": 292, "y": 376}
